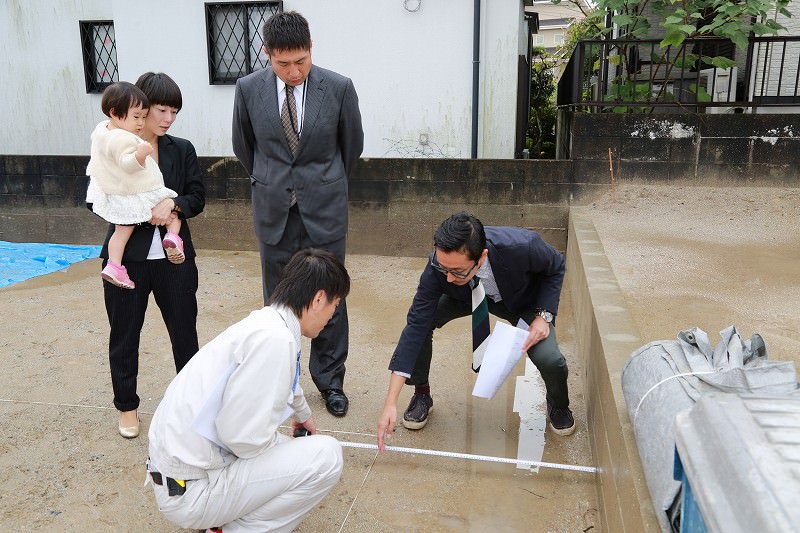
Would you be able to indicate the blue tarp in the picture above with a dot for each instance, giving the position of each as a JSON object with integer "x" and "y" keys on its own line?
{"x": 23, "y": 260}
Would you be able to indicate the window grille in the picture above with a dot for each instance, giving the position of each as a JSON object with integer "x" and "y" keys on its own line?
{"x": 99, "y": 54}
{"x": 235, "y": 45}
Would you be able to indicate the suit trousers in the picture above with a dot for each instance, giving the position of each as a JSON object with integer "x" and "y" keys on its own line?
{"x": 545, "y": 354}
{"x": 174, "y": 288}
{"x": 272, "y": 491}
{"x": 329, "y": 349}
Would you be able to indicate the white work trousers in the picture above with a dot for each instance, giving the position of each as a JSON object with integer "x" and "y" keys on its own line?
{"x": 270, "y": 492}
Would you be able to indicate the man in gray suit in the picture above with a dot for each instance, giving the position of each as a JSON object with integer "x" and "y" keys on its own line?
{"x": 297, "y": 131}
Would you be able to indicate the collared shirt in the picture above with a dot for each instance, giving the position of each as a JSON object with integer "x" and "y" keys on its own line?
{"x": 299, "y": 91}
{"x": 489, "y": 283}
{"x": 255, "y": 363}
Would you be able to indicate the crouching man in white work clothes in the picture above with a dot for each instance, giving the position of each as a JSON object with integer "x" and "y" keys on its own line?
{"x": 216, "y": 457}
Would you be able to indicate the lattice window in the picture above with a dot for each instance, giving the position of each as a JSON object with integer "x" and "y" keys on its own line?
{"x": 99, "y": 54}
{"x": 235, "y": 45}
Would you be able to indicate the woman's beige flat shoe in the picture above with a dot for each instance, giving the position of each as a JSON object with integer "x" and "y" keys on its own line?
{"x": 130, "y": 432}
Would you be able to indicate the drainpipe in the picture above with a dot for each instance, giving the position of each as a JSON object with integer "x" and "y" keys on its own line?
{"x": 476, "y": 54}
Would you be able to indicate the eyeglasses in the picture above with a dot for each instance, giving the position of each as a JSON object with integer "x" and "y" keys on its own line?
{"x": 455, "y": 274}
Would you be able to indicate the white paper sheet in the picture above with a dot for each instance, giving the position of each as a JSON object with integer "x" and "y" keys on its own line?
{"x": 502, "y": 354}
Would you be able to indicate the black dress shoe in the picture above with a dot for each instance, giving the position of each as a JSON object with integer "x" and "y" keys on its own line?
{"x": 336, "y": 402}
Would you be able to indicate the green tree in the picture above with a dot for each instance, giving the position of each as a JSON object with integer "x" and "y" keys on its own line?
{"x": 680, "y": 20}
{"x": 541, "y": 133}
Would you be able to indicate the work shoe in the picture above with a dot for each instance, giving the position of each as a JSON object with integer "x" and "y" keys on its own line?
{"x": 561, "y": 420}
{"x": 173, "y": 245}
{"x": 117, "y": 275}
{"x": 416, "y": 415}
{"x": 336, "y": 401}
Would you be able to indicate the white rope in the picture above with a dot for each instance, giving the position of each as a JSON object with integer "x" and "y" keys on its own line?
{"x": 654, "y": 387}
{"x": 363, "y": 482}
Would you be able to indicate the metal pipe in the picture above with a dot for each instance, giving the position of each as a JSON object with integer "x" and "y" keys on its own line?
{"x": 476, "y": 54}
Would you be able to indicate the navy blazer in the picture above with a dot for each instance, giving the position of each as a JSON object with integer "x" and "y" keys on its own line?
{"x": 177, "y": 160}
{"x": 528, "y": 271}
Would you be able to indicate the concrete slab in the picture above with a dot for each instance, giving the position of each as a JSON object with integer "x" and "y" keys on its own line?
{"x": 64, "y": 468}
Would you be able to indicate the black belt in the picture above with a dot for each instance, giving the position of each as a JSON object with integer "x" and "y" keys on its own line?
{"x": 176, "y": 486}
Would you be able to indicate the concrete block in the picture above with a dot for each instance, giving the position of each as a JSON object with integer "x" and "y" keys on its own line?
{"x": 723, "y": 175}
{"x": 590, "y": 147}
{"x": 543, "y": 216}
{"x": 227, "y": 210}
{"x": 683, "y": 150}
{"x": 639, "y": 149}
{"x": 778, "y": 151}
{"x": 586, "y": 193}
{"x": 592, "y": 171}
{"x": 498, "y": 170}
{"x": 369, "y": 191}
{"x": 222, "y": 167}
{"x": 725, "y": 150}
{"x": 494, "y": 192}
{"x": 545, "y": 193}
{"x": 216, "y": 188}
{"x": 22, "y": 165}
{"x": 238, "y": 188}
{"x": 544, "y": 171}
{"x": 624, "y": 498}
{"x": 682, "y": 173}
{"x": 643, "y": 172}
{"x": 22, "y": 184}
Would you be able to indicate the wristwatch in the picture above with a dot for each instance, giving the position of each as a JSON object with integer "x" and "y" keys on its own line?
{"x": 546, "y": 315}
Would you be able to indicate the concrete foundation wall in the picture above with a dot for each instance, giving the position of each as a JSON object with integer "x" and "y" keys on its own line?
{"x": 606, "y": 336}
{"x": 395, "y": 204}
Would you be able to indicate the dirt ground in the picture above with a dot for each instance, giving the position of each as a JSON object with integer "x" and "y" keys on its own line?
{"x": 684, "y": 257}
{"x": 64, "y": 468}
{"x": 707, "y": 257}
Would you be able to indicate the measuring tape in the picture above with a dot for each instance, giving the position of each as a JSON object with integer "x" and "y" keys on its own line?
{"x": 472, "y": 457}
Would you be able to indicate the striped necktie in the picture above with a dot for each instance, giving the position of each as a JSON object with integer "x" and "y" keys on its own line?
{"x": 480, "y": 324}
{"x": 291, "y": 128}
{"x": 289, "y": 120}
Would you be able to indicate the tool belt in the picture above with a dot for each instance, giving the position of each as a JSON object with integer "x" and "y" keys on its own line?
{"x": 176, "y": 487}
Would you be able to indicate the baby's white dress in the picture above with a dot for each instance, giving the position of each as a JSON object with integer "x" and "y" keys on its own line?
{"x": 120, "y": 190}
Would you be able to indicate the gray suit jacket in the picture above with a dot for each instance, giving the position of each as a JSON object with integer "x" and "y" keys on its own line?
{"x": 331, "y": 142}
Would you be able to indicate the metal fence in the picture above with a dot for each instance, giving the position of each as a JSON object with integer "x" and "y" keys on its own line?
{"x": 639, "y": 75}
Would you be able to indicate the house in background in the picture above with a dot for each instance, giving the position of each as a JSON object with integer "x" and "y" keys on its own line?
{"x": 554, "y": 19}
{"x": 413, "y": 63}
{"x": 615, "y": 74}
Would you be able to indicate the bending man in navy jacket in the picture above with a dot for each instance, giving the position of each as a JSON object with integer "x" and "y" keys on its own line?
{"x": 522, "y": 276}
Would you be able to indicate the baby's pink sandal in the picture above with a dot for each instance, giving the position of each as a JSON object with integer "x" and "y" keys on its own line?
{"x": 173, "y": 245}
{"x": 117, "y": 275}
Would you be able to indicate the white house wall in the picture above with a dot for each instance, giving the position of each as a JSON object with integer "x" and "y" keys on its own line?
{"x": 412, "y": 71}
{"x": 45, "y": 106}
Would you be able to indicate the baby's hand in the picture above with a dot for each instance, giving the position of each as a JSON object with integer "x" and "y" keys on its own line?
{"x": 143, "y": 150}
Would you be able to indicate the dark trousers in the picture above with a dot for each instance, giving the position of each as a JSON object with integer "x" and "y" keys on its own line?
{"x": 329, "y": 349}
{"x": 174, "y": 288}
{"x": 545, "y": 354}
